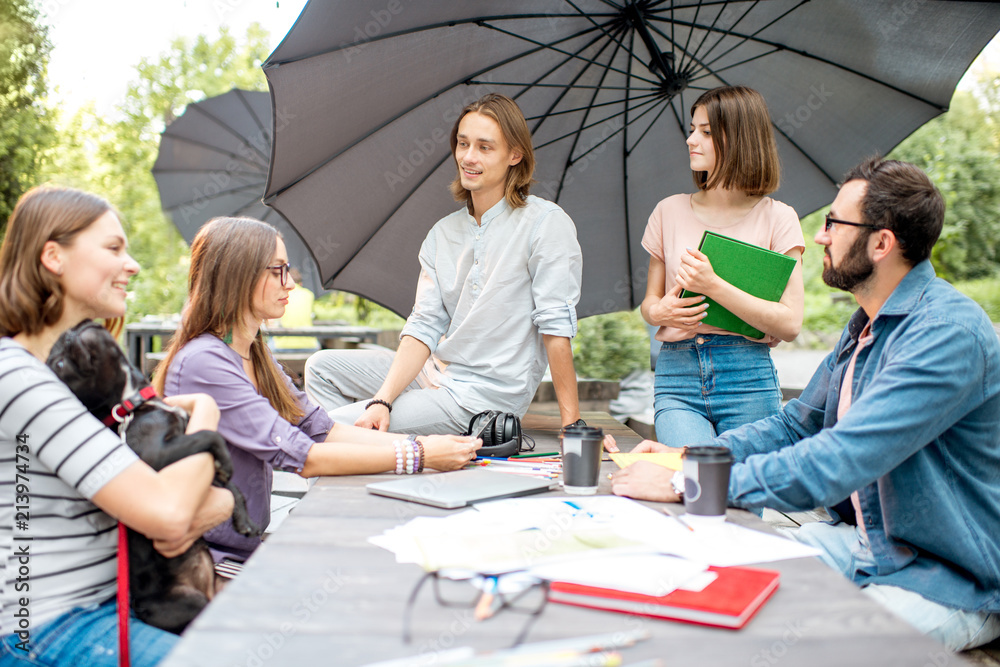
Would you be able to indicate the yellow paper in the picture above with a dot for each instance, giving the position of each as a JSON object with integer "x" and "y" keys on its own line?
{"x": 670, "y": 460}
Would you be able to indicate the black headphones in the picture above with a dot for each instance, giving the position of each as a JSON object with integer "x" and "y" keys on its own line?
{"x": 499, "y": 431}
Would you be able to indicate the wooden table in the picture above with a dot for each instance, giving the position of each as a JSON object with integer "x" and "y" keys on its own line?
{"x": 139, "y": 336}
{"x": 317, "y": 593}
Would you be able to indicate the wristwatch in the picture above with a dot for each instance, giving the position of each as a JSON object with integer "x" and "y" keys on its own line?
{"x": 578, "y": 422}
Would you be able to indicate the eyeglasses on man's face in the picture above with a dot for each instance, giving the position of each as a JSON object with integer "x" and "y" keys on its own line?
{"x": 831, "y": 221}
{"x": 280, "y": 271}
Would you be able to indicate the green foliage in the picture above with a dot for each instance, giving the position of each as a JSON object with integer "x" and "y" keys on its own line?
{"x": 26, "y": 128}
{"x": 985, "y": 292}
{"x": 345, "y": 307}
{"x": 113, "y": 158}
{"x": 959, "y": 151}
{"x": 609, "y": 347}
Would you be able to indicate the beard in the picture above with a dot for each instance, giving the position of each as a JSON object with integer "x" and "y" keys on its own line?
{"x": 854, "y": 270}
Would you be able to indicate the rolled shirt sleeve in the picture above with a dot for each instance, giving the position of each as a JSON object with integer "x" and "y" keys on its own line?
{"x": 556, "y": 269}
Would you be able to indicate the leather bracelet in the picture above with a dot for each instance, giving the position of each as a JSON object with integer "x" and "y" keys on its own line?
{"x": 379, "y": 401}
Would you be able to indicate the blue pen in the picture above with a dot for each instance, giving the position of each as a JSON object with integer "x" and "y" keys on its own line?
{"x": 491, "y": 458}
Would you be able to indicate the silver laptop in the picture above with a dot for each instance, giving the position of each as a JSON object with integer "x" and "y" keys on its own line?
{"x": 460, "y": 488}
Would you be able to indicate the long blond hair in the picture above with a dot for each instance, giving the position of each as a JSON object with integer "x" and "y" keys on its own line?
{"x": 228, "y": 258}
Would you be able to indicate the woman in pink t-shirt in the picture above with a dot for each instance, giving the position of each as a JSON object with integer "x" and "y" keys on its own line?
{"x": 709, "y": 380}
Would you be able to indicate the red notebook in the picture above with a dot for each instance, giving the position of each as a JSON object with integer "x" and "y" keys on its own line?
{"x": 728, "y": 602}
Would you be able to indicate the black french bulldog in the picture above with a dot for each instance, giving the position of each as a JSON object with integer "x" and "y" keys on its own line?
{"x": 166, "y": 592}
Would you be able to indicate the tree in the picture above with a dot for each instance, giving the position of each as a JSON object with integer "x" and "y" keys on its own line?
{"x": 25, "y": 124}
{"x": 959, "y": 151}
{"x": 114, "y": 158}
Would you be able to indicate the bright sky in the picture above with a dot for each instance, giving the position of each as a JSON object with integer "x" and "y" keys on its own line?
{"x": 98, "y": 43}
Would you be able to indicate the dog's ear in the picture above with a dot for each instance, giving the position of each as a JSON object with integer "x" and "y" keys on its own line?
{"x": 87, "y": 359}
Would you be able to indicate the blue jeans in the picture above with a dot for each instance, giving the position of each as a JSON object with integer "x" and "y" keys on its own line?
{"x": 710, "y": 384}
{"x": 846, "y": 550}
{"x": 87, "y": 636}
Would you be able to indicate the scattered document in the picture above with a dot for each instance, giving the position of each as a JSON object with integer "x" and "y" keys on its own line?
{"x": 670, "y": 460}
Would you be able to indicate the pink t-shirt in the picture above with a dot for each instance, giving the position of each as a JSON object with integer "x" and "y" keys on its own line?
{"x": 673, "y": 227}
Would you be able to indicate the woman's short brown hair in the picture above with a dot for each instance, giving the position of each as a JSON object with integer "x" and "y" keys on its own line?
{"x": 228, "y": 258}
{"x": 746, "y": 154}
{"x": 31, "y": 297}
{"x": 514, "y": 130}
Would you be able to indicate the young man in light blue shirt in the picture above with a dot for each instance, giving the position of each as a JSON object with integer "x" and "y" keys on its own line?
{"x": 898, "y": 432}
{"x": 496, "y": 299}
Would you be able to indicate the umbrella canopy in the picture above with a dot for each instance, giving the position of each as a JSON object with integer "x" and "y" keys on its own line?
{"x": 213, "y": 162}
{"x": 371, "y": 90}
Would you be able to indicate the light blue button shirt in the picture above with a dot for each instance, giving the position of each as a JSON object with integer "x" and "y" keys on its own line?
{"x": 488, "y": 292}
{"x": 920, "y": 443}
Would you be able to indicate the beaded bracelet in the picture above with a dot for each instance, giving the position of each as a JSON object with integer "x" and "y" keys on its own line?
{"x": 420, "y": 448}
{"x": 398, "y": 446}
{"x": 411, "y": 454}
{"x": 379, "y": 401}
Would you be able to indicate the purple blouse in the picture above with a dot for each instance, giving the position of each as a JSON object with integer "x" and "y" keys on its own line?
{"x": 259, "y": 438}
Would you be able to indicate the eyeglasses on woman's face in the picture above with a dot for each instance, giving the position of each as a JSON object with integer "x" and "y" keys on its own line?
{"x": 280, "y": 271}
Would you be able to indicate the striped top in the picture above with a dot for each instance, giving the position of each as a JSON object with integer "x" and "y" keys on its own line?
{"x": 58, "y": 550}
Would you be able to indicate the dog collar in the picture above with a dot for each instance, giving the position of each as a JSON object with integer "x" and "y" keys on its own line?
{"x": 129, "y": 405}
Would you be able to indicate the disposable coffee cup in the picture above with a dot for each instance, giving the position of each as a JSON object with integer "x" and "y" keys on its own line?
{"x": 581, "y": 459}
{"x": 706, "y": 481}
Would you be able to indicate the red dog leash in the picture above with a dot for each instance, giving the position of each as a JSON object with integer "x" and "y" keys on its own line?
{"x": 123, "y": 602}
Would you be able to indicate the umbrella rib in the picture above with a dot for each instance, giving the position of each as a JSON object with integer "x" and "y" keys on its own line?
{"x": 586, "y": 115}
{"x": 264, "y": 130}
{"x": 651, "y": 106}
{"x": 230, "y": 130}
{"x": 242, "y": 188}
{"x": 192, "y": 170}
{"x": 687, "y": 42}
{"x": 551, "y": 47}
{"x": 568, "y": 86}
{"x": 806, "y": 54}
{"x": 682, "y": 64}
{"x": 592, "y": 125}
{"x": 646, "y": 131}
{"x": 554, "y": 85}
{"x": 592, "y": 106}
{"x": 710, "y": 72}
{"x": 608, "y": 34}
{"x": 388, "y": 217}
{"x": 214, "y": 149}
{"x": 422, "y": 28}
{"x": 628, "y": 231}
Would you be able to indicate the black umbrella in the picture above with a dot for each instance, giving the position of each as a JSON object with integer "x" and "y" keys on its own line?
{"x": 213, "y": 161}
{"x": 371, "y": 89}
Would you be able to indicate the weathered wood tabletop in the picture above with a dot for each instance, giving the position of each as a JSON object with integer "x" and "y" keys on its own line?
{"x": 317, "y": 593}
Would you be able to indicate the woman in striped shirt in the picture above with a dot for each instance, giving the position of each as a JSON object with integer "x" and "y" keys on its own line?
{"x": 64, "y": 478}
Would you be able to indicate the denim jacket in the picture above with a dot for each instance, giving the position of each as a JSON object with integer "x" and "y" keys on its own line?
{"x": 920, "y": 444}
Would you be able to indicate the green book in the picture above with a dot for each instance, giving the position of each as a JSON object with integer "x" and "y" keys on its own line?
{"x": 755, "y": 270}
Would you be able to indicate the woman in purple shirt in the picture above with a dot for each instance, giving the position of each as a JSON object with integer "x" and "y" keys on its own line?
{"x": 238, "y": 279}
